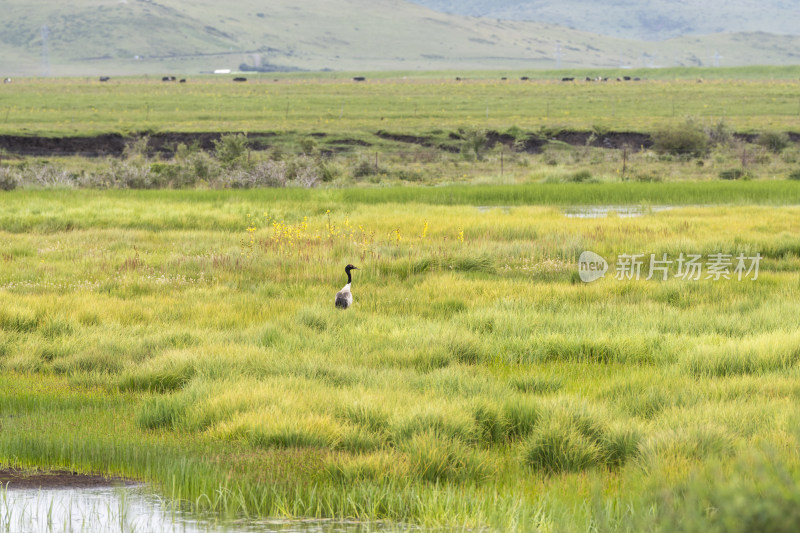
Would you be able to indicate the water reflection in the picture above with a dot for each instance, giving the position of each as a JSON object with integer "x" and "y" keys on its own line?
{"x": 623, "y": 211}
{"x": 136, "y": 510}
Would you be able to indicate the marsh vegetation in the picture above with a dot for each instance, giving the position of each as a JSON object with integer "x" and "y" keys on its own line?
{"x": 189, "y": 339}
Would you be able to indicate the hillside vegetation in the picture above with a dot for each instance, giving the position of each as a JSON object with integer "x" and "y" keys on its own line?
{"x": 646, "y": 20}
{"x": 89, "y": 37}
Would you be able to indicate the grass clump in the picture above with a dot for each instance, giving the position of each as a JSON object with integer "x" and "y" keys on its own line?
{"x": 436, "y": 459}
{"x": 572, "y": 438}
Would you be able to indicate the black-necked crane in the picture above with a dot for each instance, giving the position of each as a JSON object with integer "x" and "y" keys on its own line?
{"x": 344, "y": 298}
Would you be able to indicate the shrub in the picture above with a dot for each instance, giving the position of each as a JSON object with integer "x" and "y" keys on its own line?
{"x": 130, "y": 175}
{"x": 580, "y": 176}
{"x": 304, "y": 171}
{"x": 794, "y": 175}
{"x": 733, "y": 174}
{"x": 364, "y": 167}
{"x": 773, "y": 141}
{"x": 473, "y": 143}
{"x": 263, "y": 174}
{"x": 720, "y": 133}
{"x": 8, "y": 179}
{"x": 46, "y": 175}
{"x": 136, "y": 149}
{"x": 231, "y": 149}
{"x": 199, "y": 166}
{"x": 685, "y": 139}
{"x": 308, "y": 145}
{"x": 409, "y": 175}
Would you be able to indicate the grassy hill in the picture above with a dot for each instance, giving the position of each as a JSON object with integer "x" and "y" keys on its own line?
{"x": 92, "y": 37}
{"x": 646, "y": 19}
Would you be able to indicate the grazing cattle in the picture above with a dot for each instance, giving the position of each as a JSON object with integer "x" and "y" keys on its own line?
{"x": 165, "y": 78}
{"x": 458, "y": 79}
{"x": 183, "y": 80}
{"x": 524, "y": 78}
{"x": 637, "y": 79}
{"x": 7, "y": 80}
{"x": 503, "y": 78}
{"x": 104, "y": 78}
{"x": 567, "y": 79}
{"x": 626, "y": 78}
{"x": 239, "y": 79}
{"x": 359, "y": 78}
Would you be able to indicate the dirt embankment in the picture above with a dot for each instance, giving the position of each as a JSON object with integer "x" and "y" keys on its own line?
{"x": 164, "y": 144}
{"x": 112, "y": 144}
{"x": 56, "y": 479}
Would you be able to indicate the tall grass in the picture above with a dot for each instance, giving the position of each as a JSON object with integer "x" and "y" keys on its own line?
{"x": 476, "y": 382}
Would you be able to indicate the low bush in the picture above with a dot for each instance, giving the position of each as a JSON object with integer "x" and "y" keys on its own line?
{"x": 734, "y": 174}
{"x": 774, "y": 141}
{"x": 685, "y": 139}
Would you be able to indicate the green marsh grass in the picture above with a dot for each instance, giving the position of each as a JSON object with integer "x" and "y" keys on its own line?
{"x": 474, "y": 383}
{"x": 76, "y": 106}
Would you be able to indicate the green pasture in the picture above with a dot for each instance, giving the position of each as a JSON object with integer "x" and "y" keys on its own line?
{"x": 401, "y": 104}
{"x": 189, "y": 339}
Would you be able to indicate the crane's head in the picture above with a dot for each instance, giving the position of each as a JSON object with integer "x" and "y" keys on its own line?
{"x": 348, "y": 268}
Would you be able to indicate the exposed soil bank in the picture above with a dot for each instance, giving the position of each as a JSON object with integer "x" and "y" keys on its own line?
{"x": 56, "y": 479}
{"x": 113, "y": 144}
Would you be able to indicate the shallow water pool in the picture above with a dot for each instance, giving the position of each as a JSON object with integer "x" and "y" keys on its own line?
{"x": 137, "y": 510}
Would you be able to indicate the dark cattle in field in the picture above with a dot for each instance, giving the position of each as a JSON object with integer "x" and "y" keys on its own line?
{"x": 567, "y": 79}
{"x": 626, "y": 78}
{"x": 104, "y": 78}
{"x": 359, "y": 78}
{"x": 524, "y": 78}
{"x": 183, "y": 80}
{"x": 7, "y": 80}
{"x": 503, "y": 78}
{"x": 458, "y": 79}
{"x": 239, "y": 79}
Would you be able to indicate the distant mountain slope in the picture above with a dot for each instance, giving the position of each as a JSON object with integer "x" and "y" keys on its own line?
{"x": 639, "y": 19}
{"x": 91, "y": 37}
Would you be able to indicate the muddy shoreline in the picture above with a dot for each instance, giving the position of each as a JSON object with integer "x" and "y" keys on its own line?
{"x": 12, "y": 478}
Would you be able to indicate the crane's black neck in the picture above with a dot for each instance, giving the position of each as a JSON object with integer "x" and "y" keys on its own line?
{"x": 349, "y": 279}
